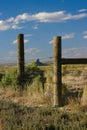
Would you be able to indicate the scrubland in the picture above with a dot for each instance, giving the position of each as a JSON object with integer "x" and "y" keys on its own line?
{"x": 33, "y": 108}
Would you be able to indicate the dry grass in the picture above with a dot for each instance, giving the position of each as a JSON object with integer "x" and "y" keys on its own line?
{"x": 74, "y": 84}
{"x": 72, "y": 113}
{"x": 27, "y": 98}
{"x": 75, "y": 77}
{"x": 14, "y": 116}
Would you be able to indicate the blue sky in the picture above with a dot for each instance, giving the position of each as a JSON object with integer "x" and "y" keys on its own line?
{"x": 40, "y": 21}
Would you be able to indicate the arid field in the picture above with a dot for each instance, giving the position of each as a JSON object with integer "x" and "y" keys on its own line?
{"x": 34, "y": 110}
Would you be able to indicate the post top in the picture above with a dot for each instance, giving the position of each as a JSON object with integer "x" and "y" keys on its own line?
{"x": 20, "y": 34}
{"x": 55, "y": 37}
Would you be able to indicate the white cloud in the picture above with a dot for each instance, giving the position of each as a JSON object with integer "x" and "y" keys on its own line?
{"x": 9, "y": 57}
{"x": 22, "y": 18}
{"x": 82, "y": 10}
{"x": 27, "y": 35}
{"x": 16, "y": 27}
{"x": 32, "y": 51}
{"x": 85, "y": 36}
{"x": 78, "y": 16}
{"x": 51, "y": 42}
{"x": 4, "y": 26}
{"x": 35, "y": 27}
{"x": 25, "y": 41}
{"x": 51, "y": 17}
{"x": 14, "y": 42}
{"x": 9, "y": 20}
{"x": 60, "y": 16}
{"x": 68, "y": 36}
{"x": 75, "y": 52}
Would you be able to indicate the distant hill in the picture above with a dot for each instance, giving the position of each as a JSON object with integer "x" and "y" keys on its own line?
{"x": 38, "y": 62}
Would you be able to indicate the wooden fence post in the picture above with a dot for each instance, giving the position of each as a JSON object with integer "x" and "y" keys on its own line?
{"x": 21, "y": 59}
{"x": 57, "y": 72}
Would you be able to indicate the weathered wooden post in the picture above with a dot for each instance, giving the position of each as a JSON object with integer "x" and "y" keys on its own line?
{"x": 21, "y": 60}
{"x": 57, "y": 72}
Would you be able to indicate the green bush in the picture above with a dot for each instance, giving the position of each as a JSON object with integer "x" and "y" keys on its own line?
{"x": 10, "y": 78}
{"x": 77, "y": 72}
{"x": 1, "y": 75}
{"x": 36, "y": 85}
{"x": 32, "y": 71}
{"x": 65, "y": 70}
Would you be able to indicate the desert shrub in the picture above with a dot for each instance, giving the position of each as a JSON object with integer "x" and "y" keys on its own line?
{"x": 36, "y": 85}
{"x": 64, "y": 70}
{"x": 32, "y": 71}
{"x": 1, "y": 75}
{"x": 76, "y": 72}
{"x": 10, "y": 78}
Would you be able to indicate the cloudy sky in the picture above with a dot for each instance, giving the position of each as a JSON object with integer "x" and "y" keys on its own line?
{"x": 40, "y": 21}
